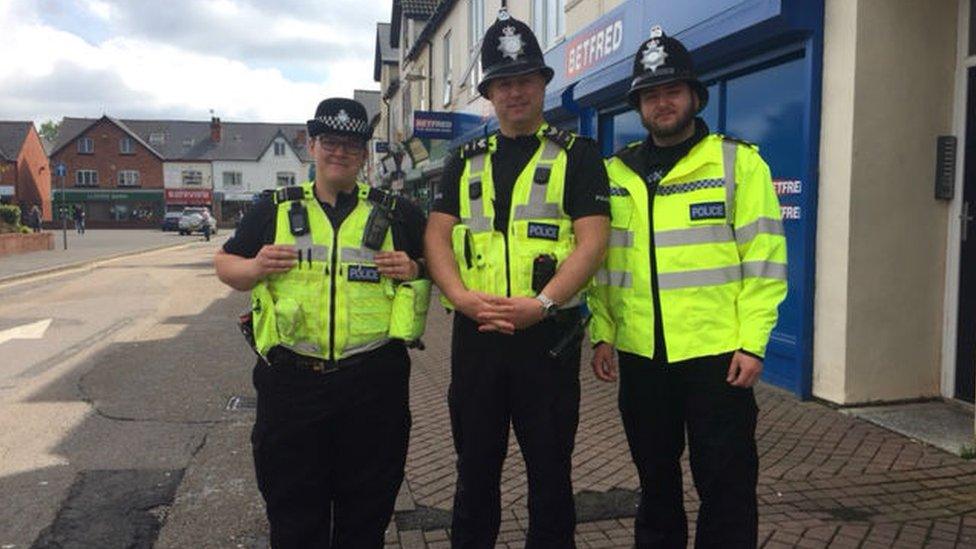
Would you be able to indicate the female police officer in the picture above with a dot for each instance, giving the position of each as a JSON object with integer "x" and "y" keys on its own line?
{"x": 334, "y": 296}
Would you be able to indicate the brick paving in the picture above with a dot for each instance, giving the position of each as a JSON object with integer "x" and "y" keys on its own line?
{"x": 826, "y": 479}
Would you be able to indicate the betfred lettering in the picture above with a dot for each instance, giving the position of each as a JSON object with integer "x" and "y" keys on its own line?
{"x": 363, "y": 273}
{"x": 543, "y": 230}
{"x": 589, "y": 49}
{"x": 708, "y": 210}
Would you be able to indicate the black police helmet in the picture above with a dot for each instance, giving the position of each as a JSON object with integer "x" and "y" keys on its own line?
{"x": 662, "y": 60}
{"x": 510, "y": 49}
{"x": 340, "y": 116}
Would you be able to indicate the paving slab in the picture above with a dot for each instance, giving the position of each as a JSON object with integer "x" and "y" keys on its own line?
{"x": 944, "y": 424}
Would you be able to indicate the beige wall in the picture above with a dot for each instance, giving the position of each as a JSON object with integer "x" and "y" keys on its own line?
{"x": 580, "y": 13}
{"x": 887, "y": 95}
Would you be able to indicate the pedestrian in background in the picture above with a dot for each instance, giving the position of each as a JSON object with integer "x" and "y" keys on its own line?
{"x": 519, "y": 227}
{"x": 688, "y": 296}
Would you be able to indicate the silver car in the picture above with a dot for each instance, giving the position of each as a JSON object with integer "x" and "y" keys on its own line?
{"x": 193, "y": 220}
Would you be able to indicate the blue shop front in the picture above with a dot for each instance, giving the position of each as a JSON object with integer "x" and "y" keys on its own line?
{"x": 761, "y": 61}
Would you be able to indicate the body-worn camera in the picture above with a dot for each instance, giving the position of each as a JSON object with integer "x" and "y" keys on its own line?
{"x": 379, "y": 220}
{"x": 543, "y": 269}
{"x": 298, "y": 219}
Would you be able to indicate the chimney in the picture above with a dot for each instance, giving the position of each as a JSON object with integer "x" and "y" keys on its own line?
{"x": 215, "y": 129}
{"x": 300, "y": 138}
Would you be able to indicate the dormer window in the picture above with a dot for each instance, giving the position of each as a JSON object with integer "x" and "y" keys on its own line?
{"x": 157, "y": 138}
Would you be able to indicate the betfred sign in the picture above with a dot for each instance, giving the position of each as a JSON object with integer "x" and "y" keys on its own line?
{"x": 590, "y": 48}
{"x": 189, "y": 197}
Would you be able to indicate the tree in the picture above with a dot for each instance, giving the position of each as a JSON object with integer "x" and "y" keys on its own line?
{"x": 49, "y": 130}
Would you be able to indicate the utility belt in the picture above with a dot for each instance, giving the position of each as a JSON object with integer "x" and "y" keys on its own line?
{"x": 280, "y": 357}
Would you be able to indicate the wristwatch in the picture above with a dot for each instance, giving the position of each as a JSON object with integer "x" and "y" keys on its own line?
{"x": 549, "y": 307}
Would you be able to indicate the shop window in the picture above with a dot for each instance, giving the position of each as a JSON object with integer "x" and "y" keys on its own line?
{"x": 128, "y": 178}
{"x": 548, "y": 21}
{"x": 125, "y": 145}
{"x": 86, "y": 145}
{"x": 285, "y": 179}
{"x": 192, "y": 177}
{"x": 627, "y": 128}
{"x": 233, "y": 179}
{"x": 279, "y": 148}
{"x": 710, "y": 113}
{"x": 86, "y": 178}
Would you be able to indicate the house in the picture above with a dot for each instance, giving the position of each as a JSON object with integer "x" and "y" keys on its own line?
{"x": 371, "y": 100}
{"x": 166, "y": 165}
{"x": 25, "y": 174}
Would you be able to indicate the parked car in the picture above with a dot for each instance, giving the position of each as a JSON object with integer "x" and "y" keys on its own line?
{"x": 192, "y": 221}
{"x": 171, "y": 221}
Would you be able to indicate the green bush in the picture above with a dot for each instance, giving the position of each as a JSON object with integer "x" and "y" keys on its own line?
{"x": 10, "y": 215}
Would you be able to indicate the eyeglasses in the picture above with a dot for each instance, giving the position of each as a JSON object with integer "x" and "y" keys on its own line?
{"x": 334, "y": 145}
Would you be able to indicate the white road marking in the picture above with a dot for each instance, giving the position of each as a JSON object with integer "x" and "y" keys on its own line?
{"x": 34, "y": 330}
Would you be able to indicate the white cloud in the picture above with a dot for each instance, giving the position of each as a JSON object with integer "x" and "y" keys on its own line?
{"x": 50, "y": 73}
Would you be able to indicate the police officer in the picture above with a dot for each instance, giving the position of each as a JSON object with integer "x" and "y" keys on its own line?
{"x": 336, "y": 285}
{"x": 519, "y": 227}
{"x": 698, "y": 255}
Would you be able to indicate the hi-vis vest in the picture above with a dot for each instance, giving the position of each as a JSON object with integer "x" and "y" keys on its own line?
{"x": 334, "y": 303}
{"x": 501, "y": 264}
{"x": 720, "y": 251}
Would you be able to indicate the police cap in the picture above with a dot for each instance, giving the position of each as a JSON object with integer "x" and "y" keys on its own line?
{"x": 510, "y": 49}
{"x": 662, "y": 60}
{"x": 340, "y": 116}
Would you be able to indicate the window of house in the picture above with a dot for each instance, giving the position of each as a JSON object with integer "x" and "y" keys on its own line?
{"x": 86, "y": 145}
{"x": 86, "y": 178}
{"x": 125, "y": 145}
{"x": 157, "y": 138}
{"x": 448, "y": 70}
{"x": 192, "y": 177}
{"x": 128, "y": 178}
{"x": 476, "y": 30}
{"x": 548, "y": 21}
{"x": 188, "y": 142}
{"x": 279, "y": 148}
{"x": 233, "y": 179}
{"x": 285, "y": 179}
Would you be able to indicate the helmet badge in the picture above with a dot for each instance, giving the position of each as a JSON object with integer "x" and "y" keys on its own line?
{"x": 510, "y": 43}
{"x": 654, "y": 55}
{"x": 342, "y": 116}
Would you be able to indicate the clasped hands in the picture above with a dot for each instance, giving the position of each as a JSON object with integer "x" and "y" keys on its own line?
{"x": 500, "y": 314}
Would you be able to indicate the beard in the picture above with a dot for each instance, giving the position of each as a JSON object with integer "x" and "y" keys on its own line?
{"x": 667, "y": 131}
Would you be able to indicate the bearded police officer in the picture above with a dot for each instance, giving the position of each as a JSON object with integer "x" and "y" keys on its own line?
{"x": 336, "y": 288}
{"x": 519, "y": 228}
{"x": 688, "y": 295}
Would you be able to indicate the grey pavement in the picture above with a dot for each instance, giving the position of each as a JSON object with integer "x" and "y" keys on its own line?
{"x": 944, "y": 424}
{"x": 94, "y": 245}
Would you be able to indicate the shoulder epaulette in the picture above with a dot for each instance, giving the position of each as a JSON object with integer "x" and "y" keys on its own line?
{"x": 629, "y": 148}
{"x": 474, "y": 147}
{"x": 286, "y": 194}
{"x": 739, "y": 141}
{"x": 563, "y": 138}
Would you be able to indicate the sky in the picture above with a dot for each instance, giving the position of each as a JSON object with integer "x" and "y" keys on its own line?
{"x": 246, "y": 60}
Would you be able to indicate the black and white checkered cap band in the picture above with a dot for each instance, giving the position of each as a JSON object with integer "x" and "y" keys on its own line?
{"x": 344, "y": 124}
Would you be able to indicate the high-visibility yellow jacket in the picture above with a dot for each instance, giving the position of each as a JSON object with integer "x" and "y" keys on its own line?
{"x": 501, "y": 264}
{"x": 720, "y": 252}
{"x": 334, "y": 303}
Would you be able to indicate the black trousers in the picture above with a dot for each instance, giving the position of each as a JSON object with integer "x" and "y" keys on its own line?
{"x": 497, "y": 380}
{"x": 329, "y": 449}
{"x": 657, "y": 403}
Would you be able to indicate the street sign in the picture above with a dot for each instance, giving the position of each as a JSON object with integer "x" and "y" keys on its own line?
{"x": 60, "y": 169}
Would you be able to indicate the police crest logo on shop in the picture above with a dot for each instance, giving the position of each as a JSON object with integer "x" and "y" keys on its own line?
{"x": 707, "y": 210}
{"x": 363, "y": 273}
{"x": 543, "y": 230}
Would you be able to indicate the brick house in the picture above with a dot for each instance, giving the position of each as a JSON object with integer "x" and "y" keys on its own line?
{"x": 25, "y": 175}
{"x": 112, "y": 172}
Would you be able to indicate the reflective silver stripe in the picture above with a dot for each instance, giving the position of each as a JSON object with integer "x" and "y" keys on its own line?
{"x": 728, "y": 163}
{"x": 320, "y": 253}
{"x": 620, "y": 238}
{"x": 357, "y": 255}
{"x": 535, "y": 211}
{"x": 347, "y": 352}
{"x": 304, "y": 241}
{"x": 619, "y": 279}
{"x": 478, "y": 222}
{"x": 764, "y": 225}
{"x": 709, "y": 234}
{"x": 550, "y": 150}
{"x": 304, "y": 348}
{"x": 694, "y": 279}
{"x": 764, "y": 269}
